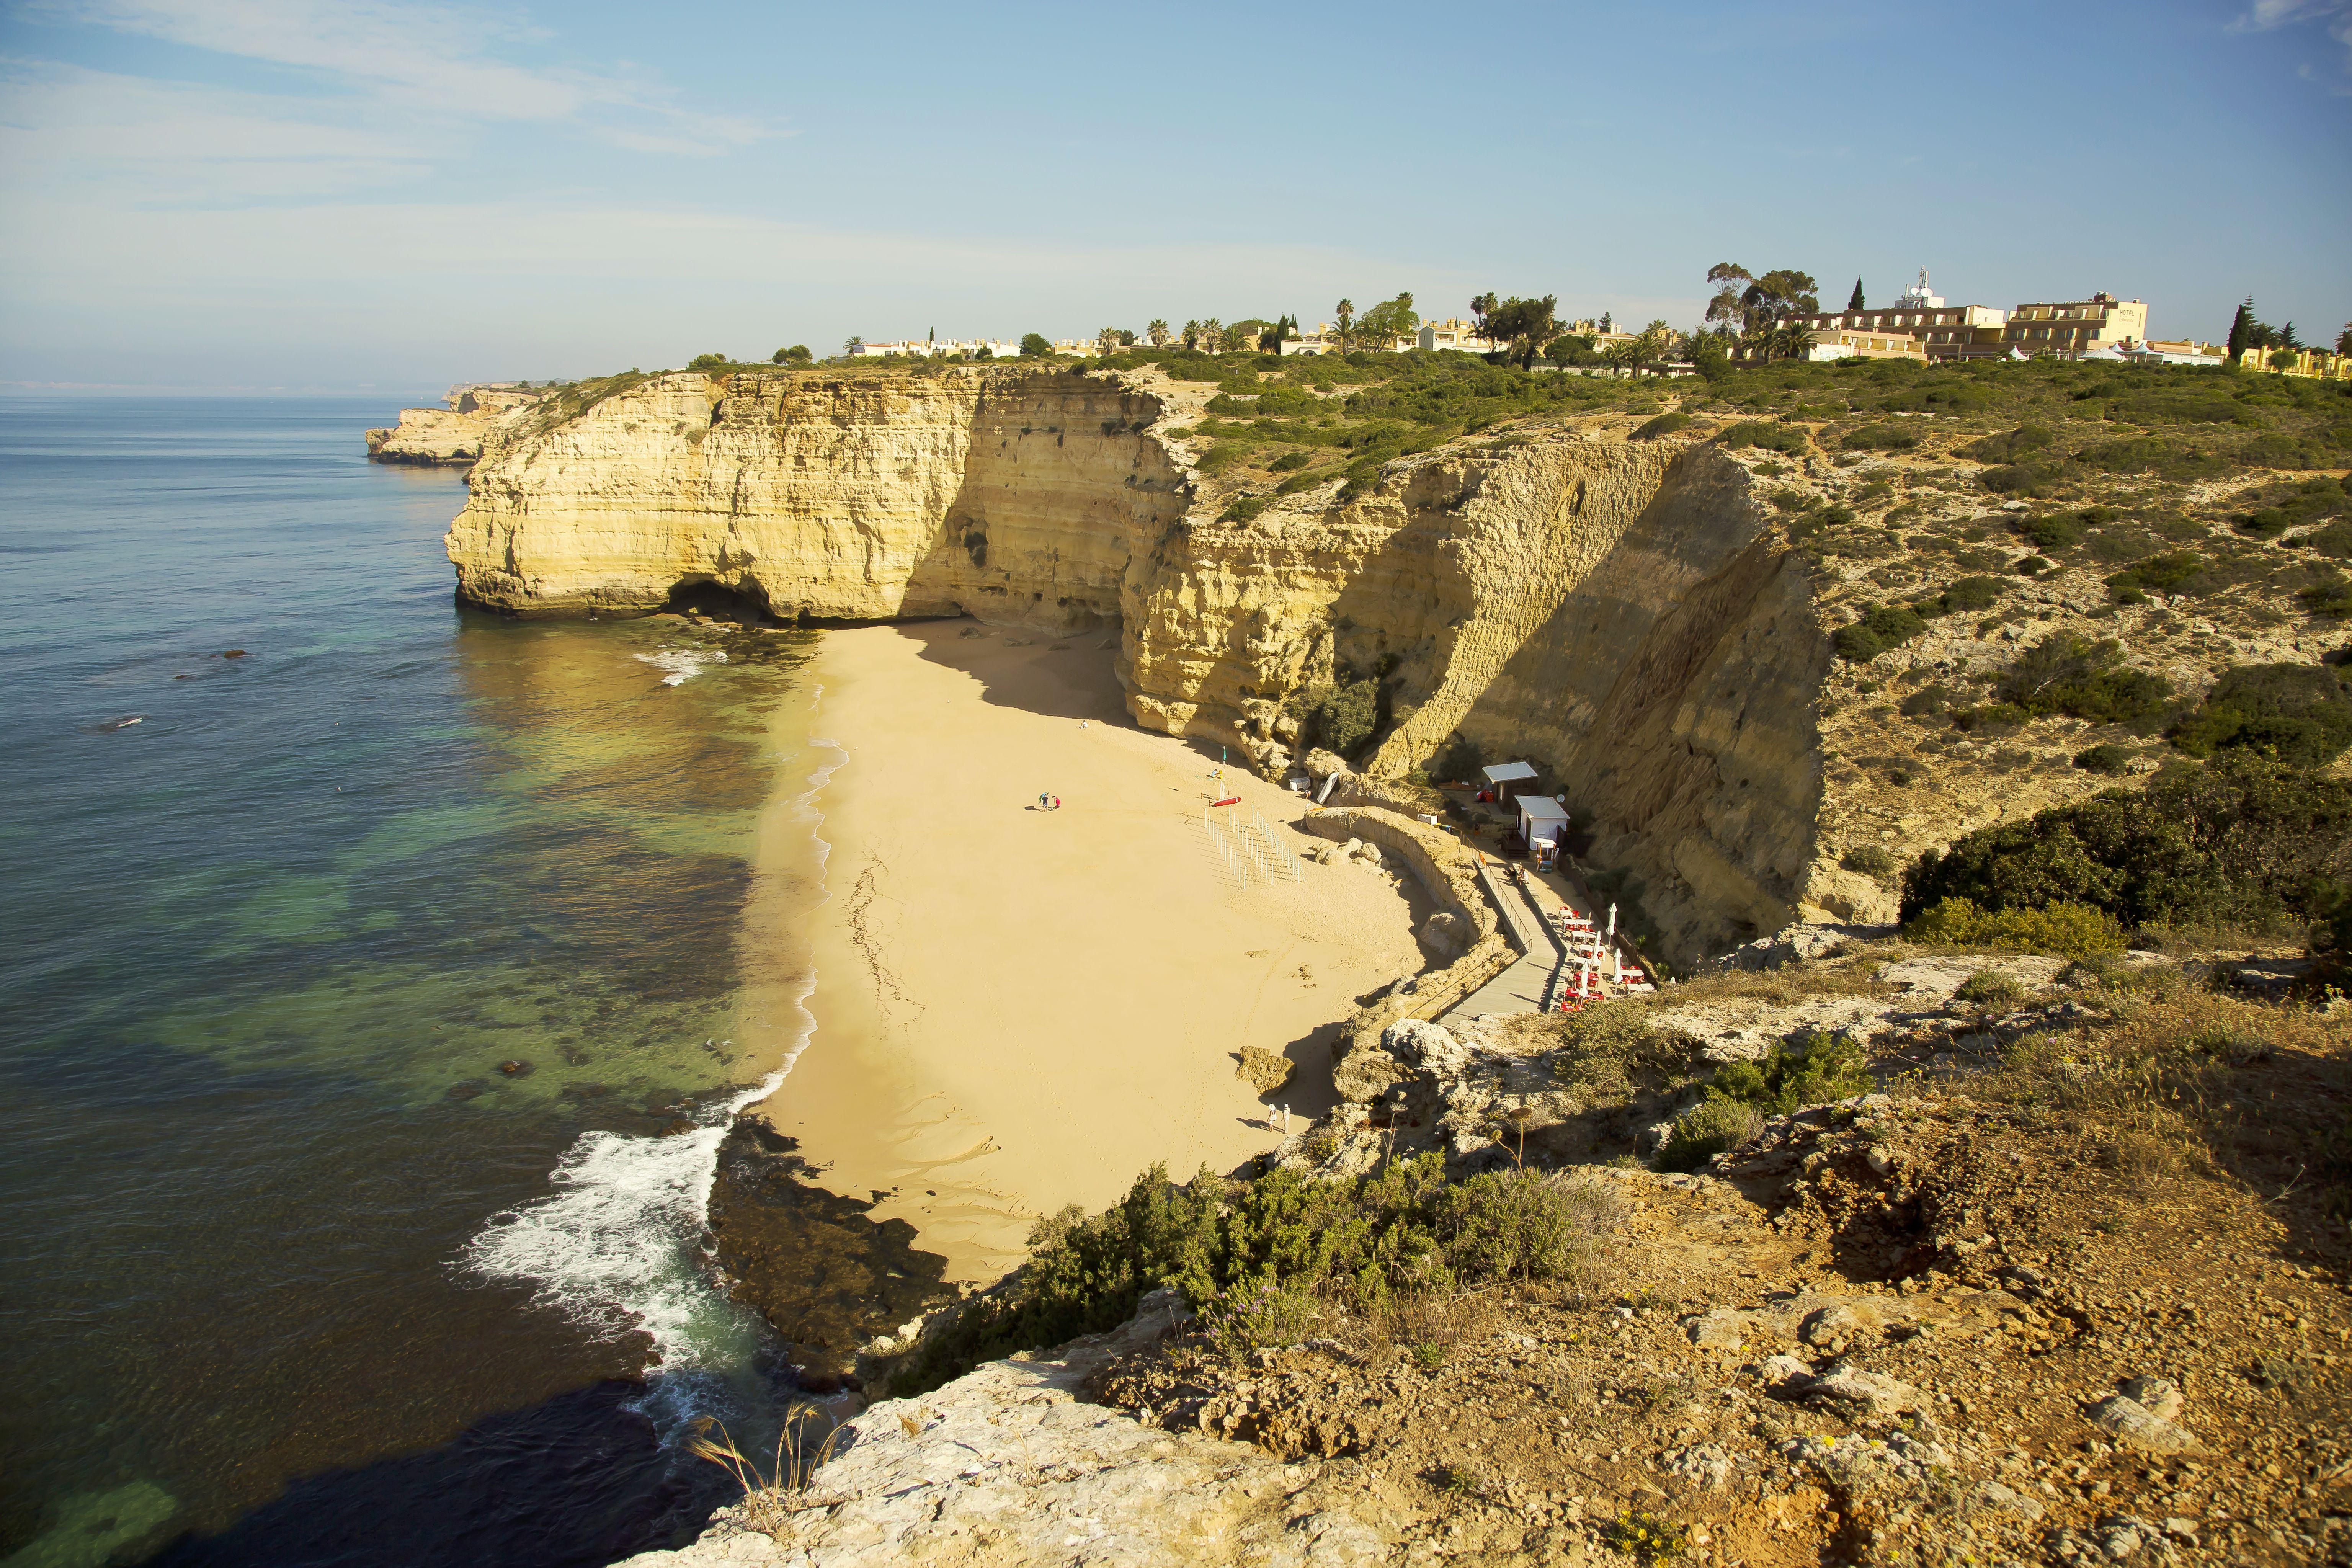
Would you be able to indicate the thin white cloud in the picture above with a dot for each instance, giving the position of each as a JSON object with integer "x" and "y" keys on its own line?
{"x": 2334, "y": 17}
{"x": 148, "y": 142}
{"x": 427, "y": 59}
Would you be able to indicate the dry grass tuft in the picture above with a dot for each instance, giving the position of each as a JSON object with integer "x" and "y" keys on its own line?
{"x": 771, "y": 1498}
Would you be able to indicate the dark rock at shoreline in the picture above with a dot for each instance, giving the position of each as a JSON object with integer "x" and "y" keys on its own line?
{"x": 826, "y": 1276}
{"x": 463, "y": 1091}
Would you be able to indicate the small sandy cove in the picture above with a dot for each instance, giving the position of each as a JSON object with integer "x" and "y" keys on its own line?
{"x": 1017, "y": 1008}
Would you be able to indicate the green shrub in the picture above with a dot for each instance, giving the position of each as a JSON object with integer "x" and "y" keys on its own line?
{"x": 2068, "y": 929}
{"x": 1346, "y": 722}
{"x": 1870, "y": 860}
{"x": 1290, "y": 462}
{"x": 1519, "y": 1224}
{"x": 1298, "y": 482}
{"x": 1714, "y": 1126}
{"x": 1990, "y": 716}
{"x": 2019, "y": 478}
{"x": 2335, "y": 540}
{"x": 2166, "y": 573}
{"x": 2054, "y": 531}
{"x": 1881, "y": 628}
{"x": 2068, "y": 673}
{"x": 2239, "y": 841}
{"x": 1244, "y": 510}
{"x": 1990, "y": 990}
{"x": 2103, "y": 758}
{"x": 1788, "y": 439}
{"x": 1856, "y": 644}
{"x": 2331, "y": 597}
{"x": 1663, "y": 425}
{"x": 2142, "y": 454}
{"x": 1881, "y": 438}
{"x": 1609, "y": 1052}
{"x": 1970, "y": 593}
{"x": 1825, "y": 1068}
{"x": 2299, "y": 713}
{"x": 2277, "y": 451}
{"x": 1927, "y": 700}
{"x": 2012, "y": 446}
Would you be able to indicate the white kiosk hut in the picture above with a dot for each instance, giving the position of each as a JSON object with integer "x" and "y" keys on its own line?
{"x": 1543, "y": 823}
{"x": 1508, "y": 779}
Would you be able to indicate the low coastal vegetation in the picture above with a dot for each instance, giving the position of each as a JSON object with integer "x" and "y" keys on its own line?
{"x": 2246, "y": 843}
{"x": 1264, "y": 1260}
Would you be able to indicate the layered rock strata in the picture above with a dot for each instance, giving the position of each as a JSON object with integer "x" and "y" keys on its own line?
{"x": 452, "y": 435}
{"x": 1619, "y": 614}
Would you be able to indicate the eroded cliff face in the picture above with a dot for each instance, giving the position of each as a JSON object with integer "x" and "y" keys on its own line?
{"x": 1617, "y": 613}
{"x": 1016, "y": 498}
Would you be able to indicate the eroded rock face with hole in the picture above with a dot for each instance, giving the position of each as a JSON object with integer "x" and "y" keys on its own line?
{"x": 1618, "y": 613}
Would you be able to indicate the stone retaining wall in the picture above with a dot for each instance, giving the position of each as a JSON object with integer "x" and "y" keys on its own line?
{"x": 1446, "y": 868}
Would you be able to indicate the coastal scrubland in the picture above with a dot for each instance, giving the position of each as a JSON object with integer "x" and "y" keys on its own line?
{"x": 2009, "y": 1224}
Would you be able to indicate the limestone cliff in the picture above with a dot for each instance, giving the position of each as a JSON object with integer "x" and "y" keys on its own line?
{"x": 1617, "y": 613}
{"x": 451, "y": 436}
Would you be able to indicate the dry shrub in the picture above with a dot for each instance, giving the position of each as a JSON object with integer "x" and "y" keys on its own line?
{"x": 1428, "y": 1323}
{"x": 1617, "y": 1049}
{"x": 1791, "y": 982}
{"x": 2164, "y": 1087}
{"x": 773, "y": 1495}
{"x": 1712, "y": 1127}
{"x": 1523, "y": 1225}
{"x": 1991, "y": 991}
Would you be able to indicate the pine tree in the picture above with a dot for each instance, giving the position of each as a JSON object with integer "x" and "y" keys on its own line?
{"x": 2241, "y": 331}
{"x": 1855, "y": 303}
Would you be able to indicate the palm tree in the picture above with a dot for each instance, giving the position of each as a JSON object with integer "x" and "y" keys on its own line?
{"x": 1107, "y": 342}
{"x": 1345, "y": 325}
{"x": 1212, "y": 335}
{"x": 1191, "y": 335}
{"x": 1158, "y": 333}
{"x": 2344, "y": 339}
{"x": 1796, "y": 339}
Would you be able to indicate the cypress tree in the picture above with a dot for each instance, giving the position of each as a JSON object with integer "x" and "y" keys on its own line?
{"x": 2241, "y": 331}
{"x": 1855, "y": 303}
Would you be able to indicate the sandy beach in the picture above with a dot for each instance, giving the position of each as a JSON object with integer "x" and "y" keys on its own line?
{"x": 1016, "y": 1009}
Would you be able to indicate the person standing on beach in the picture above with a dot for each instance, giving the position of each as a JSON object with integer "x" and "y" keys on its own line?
{"x": 1057, "y": 803}
{"x": 1041, "y": 799}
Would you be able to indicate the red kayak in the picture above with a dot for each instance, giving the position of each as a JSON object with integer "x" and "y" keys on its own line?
{"x": 1229, "y": 800}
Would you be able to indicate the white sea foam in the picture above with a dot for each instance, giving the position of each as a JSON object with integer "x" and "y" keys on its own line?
{"x": 616, "y": 1246}
{"x": 681, "y": 665}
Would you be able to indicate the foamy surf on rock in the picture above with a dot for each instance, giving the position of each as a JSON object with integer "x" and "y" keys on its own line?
{"x": 616, "y": 1246}
{"x": 681, "y": 665}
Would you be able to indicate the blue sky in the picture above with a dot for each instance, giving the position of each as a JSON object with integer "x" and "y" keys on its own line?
{"x": 246, "y": 194}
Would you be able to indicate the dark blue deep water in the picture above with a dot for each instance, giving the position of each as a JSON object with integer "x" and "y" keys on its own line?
{"x": 290, "y": 1270}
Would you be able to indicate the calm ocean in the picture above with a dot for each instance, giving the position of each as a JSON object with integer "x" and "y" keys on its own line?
{"x": 292, "y": 1272}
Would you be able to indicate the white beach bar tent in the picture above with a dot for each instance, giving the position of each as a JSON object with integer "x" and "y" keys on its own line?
{"x": 1542, "y": 820}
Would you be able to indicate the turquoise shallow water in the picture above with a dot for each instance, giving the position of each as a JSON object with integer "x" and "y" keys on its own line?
{"x": 273, "y": 1209}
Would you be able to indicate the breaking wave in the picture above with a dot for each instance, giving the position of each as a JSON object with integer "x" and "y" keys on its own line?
{"x": 681, "y": 665}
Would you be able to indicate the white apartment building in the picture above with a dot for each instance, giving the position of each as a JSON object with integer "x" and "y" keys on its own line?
{"x": 950, "y": 348}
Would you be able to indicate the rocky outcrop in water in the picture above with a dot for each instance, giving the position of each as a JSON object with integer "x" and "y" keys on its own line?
{"x": 453, "y": 436}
